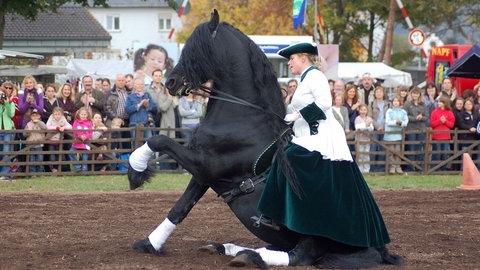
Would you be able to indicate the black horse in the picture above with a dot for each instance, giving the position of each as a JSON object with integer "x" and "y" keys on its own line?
{"x": 234, "y": 146}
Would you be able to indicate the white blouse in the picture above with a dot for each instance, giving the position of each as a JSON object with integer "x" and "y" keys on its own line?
{"x": 330, "y": 140}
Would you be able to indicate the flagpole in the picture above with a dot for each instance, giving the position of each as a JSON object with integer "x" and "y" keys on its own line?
{"x": 315, "y": 30}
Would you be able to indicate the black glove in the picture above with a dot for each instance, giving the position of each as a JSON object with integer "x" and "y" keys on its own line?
{"x": 312, "y": 113}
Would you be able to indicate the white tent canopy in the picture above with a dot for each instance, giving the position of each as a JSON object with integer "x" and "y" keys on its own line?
{"x": 98, "y": 68}
{"x": 392, "y": 77}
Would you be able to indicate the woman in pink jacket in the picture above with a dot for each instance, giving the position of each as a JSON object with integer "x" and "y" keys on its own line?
{"x": 442, "y": 121}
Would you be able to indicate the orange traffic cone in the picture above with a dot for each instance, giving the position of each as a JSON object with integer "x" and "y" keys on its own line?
{"x": 471, "y": 176}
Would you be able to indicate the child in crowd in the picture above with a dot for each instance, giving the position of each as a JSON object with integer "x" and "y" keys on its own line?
{"x": 363, "y": 123}
{"x": 442, "y": 121}
{"x": 395, "y": 120}
{"x": 35, "y": 132}
{"x": 115, "y": 134}
{"x": 58, "y": 122}
{"x": 418, "y": 115}
{"x": 82, "y": 133}
{"x": 99, "y": 134}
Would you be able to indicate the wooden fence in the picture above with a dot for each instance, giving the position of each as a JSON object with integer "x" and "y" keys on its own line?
{"x": 115, "y": 160}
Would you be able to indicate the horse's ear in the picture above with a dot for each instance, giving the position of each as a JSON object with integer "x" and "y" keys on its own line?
{"x": 213, "y": 24}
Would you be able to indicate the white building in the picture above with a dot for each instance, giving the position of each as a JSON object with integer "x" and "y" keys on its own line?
{"x": 135, "y": 23}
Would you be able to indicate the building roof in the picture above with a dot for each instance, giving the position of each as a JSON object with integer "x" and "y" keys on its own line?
{"x": 133, "y": 3}
{"x": 70, "y": 22}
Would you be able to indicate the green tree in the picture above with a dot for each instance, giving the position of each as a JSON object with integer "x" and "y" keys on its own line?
{"x": 459, "y": 16}
{"x": 273, "y": 17}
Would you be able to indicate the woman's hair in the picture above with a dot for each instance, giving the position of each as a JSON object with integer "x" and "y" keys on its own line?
{"x": 29, "y": 77}
{"x": 416, "y": 90}
{"x": 345, "y": 93}
{"x": 468, "y": 100}
{"x": 53, "y": 86}
{"x": 60, "y": 90}
{"x": 380, "y": 88}
{"x": 316, "y": 61}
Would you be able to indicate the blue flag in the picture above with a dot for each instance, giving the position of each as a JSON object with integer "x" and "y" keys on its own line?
{"x": 298, "y": 12}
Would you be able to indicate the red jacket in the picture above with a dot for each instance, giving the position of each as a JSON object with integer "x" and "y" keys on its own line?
{"x": 436, "y": 124}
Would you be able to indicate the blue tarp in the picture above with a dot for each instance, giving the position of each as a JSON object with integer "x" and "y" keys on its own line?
{"x": 467, "y": 66}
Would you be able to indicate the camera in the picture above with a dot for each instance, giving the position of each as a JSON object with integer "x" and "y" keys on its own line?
{"x": 3, "y": 96}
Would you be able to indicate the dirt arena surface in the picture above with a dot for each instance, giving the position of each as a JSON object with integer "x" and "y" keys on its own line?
{"x": 432, "y": 229}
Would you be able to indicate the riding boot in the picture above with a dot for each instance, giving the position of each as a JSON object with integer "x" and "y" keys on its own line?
{"x": 306, "y": 252}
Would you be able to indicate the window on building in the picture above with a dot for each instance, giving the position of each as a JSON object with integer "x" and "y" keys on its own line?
{"x": 113, "y": 22}
{"x": 164, "y": 22}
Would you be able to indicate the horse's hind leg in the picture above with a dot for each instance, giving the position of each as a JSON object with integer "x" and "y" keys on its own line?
{"x": 306, "y": 252}
{"x": 179, "y": 211}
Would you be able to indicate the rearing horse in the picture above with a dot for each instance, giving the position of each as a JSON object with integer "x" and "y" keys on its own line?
{"x": 235, "y": 144}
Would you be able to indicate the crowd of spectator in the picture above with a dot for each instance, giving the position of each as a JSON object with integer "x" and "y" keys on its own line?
{"x": 88, "y": 109}
{"x": 438, "y": 107}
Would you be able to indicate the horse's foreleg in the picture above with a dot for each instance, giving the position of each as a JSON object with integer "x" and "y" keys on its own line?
{"x": 185, "y": 157}
{"x": 139, "y": 172}
{"x": 179, "y": 211}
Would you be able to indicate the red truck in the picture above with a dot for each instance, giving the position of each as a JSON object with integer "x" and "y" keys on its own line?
{"x": 441, "y": 59}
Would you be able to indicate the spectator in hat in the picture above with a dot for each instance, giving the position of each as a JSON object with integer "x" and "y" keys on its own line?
{"x": 34, "y": 131}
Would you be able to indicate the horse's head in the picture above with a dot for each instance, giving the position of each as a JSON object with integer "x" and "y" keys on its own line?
{"x": 195, "y": 65}
{"x": 220, "y": 53}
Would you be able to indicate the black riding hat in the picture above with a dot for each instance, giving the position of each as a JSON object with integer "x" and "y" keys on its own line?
{"x": 299, "y": 48}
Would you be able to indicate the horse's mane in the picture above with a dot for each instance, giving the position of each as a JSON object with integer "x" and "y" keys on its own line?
{"x": 198, "y": 71}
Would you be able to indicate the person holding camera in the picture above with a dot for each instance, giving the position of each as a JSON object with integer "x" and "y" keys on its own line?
{"x": 190, "y": 109}
{"x": 7, "y": 112}
{"x": 140, "y": 107}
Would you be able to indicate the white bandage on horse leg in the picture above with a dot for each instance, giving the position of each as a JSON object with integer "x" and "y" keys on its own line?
{"x": 232, "y": 249}
{"x": 161, "y": 233}
{"x": 273, "y": 257}
{"x": 139, "y": 158}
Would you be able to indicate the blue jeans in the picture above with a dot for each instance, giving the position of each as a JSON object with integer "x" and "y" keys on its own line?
{"x": 377, "y": 157}
{"x": 73, "y": 158}
{"x": 440, "y": 146}
{"x": 419, "y": 145}
{"x": 5, "y": 138}
{"x": 36, "y": 158}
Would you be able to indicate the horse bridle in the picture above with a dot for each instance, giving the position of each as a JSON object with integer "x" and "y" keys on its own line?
{"x": 187, "y": 88}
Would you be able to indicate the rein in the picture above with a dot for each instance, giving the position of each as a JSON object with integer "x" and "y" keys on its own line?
{"x": 220, "y": 95}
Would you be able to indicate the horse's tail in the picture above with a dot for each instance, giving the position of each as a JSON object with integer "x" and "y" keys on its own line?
{"x": 285, "y": 165}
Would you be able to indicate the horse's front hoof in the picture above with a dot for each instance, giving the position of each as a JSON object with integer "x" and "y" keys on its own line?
{"x": 213, "y": 248}
{"x": 137, "y": 179}
{"x": 146, "y": 247}
{"x": 248, "y": 258}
